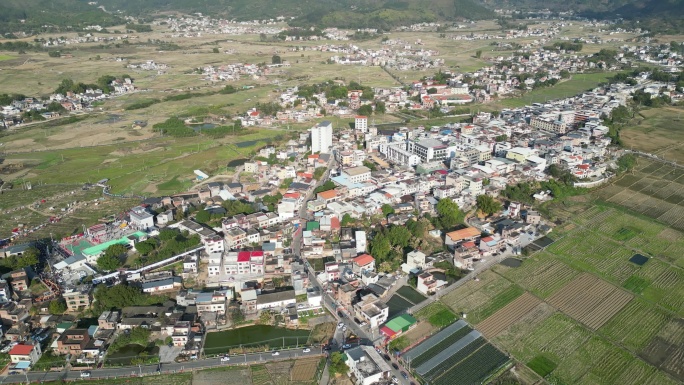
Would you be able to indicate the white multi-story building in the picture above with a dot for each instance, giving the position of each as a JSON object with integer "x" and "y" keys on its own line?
{"x": 367, "y": 365}
{"x": 357, "y": 174}
{"x": 428, "y": 149}
{"x": 321, "y": 137}
{"x": 361, "y": 123}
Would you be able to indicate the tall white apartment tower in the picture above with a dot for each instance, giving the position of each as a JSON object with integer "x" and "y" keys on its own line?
{"x": 361, "y": 123}
{"x": 321, "y": 137}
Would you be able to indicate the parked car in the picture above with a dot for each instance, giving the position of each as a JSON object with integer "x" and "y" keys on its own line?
{"x": 395, "y": 366}
{"x": 275, "y": 354}
{"x": 340, "y": 325}
{"x": 307, "y": 350}
{"x": 395, "y": 379}
{"x": 85, "y": 374}
{"x": 403, "y": 374}
{"x": 346, "y": 346}
{"x": 225, "y": 359}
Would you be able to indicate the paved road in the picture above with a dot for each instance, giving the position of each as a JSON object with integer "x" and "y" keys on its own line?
{"x": 146, "y": 370}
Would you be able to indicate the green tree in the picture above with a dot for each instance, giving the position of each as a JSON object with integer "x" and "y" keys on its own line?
{"x": 487, "y": 204}
{"x": 318, "y": 172}
{"x": 215, "y": 50}
{"x": 275, "y": 59}
{"x": 168, "y": 234}
{"x": 122, "y": 295}
{"x": 478, "y": 53}
{"x": 346, "y": 220}
{"x": 203, "y": 216}
{"x": 116, "y": 250}
{"x": 108, "y": 263}
{"x": 145, "y": 247}
{"x": 265, "y": 317}
{"x": 449, "y": 215}
{"x": 387, "y": 209}
{"x": 57, "y": 306}
{"x": 380, "y": 108}
{"x": 380, "y": 247}
{"x": 366, "y": 110}
{"x": 432, "y": 91}
{"x": 30, "y": 257}
{"x": 236, "y": 315}
{"x": 337, "y": 364}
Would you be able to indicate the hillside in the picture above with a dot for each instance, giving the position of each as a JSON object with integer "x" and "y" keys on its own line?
{"x": 629, "y": 9}
{"x": 383, "y": 14}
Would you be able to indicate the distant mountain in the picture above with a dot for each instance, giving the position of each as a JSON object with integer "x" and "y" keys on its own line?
{"x": 383, "y": 14}
{"x": 629, "y": 9}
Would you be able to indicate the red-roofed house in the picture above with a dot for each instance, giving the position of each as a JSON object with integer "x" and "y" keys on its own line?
{"x": 328, "y": 196}
{"x": 25, "y": 352}
{"x": 256, "y": 262}
{"x": 364, "y": 262}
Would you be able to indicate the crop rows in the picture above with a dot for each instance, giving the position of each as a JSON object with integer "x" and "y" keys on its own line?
{"x": 590, "y": 300}
{"x": 609, "y": 367}
{"x": 546, "y": 338}
{"x": 542, "y": 275}
{"x": 260, "y": 375}
{"x": 474, "y": 369}
{"x": 456, "y": 358}
{"x": 668, "y": 290}
{"x": 635, "y": 325}
{"x": 508, "y": 315}
{"x": 440, "y": 346}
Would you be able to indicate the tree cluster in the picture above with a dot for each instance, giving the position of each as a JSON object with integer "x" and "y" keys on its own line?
{"x": 122, "y": 295}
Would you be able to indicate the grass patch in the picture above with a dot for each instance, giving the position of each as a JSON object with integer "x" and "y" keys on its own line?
{"x": 437, "y": 314}
{"x": 542, "y": 365}
{"x": 6, "y": 57}
{"x": 636, "y": 284}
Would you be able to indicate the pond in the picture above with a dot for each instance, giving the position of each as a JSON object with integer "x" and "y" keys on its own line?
{"x": 237, "y": 162}
{"x": 511, "y": 262}
{"x": 203, "y": 126}
{"x": 124, "y": 355}
{"x": 255, "y": 335}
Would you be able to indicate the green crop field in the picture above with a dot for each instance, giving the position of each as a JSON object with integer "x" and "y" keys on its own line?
{"x": 140, "y": 167}
{"x": 6, "y": 57}
{"x": 577, "y": 84}
{"x": 258, "y": 335}
{"x": 640, "y": 339}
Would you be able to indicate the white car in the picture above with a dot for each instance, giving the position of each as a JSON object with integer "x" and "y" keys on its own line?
{"x": 307, "y": 350}
{"x": 344, "y": 328}
{"x": 275, "y": 354}
{"x": 225, "y": 359}
{"x": 340, "y": 325}
{"x": 85, "y": 374}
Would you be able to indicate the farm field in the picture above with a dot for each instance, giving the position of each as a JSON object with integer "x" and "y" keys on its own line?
{"x": 653, "y": 189}
{"x": 590, "y": 300}
{"x": 456, "y": 354}
{"x": 590, "y": 312}
{"x": 655, "y": 130}
{"x": 578, "y": 83}
{"x": 268, "y": 337}
{"x": 144, "y": 167}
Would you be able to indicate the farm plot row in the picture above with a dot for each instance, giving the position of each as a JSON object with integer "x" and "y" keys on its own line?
{"x": 591, "y": 252}
{"x": 473, "y": 370}
{"x": 666, "y": 350}
{"x": 438, "y": 346}
{"x": 508, "y": 315}
{"x": 590, "y": 300}
{"x": 541, "y": 274}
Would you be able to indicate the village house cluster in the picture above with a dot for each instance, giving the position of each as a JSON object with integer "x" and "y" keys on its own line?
{"x": 15, "y": 112}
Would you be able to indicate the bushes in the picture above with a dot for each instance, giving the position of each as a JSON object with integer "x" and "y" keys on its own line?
{"x": 141, "y": 104}
{"x": 174, "y": 127}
